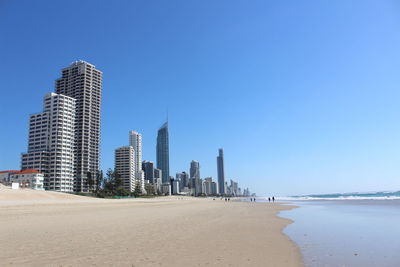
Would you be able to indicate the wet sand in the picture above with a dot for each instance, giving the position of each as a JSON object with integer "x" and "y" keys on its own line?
{"x": 55, "y": 229}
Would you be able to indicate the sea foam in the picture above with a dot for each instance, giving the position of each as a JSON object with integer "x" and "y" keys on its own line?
{"x": 378, "y": 195}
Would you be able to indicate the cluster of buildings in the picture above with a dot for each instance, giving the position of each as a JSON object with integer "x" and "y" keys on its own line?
{"x": 191, "y": 183}
{"x": 155, "y": 177}
{"x": 64, "y": 147}
{"x": 64, "y": 138}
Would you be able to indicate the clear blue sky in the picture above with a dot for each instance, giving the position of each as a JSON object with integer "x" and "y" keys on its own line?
{"x": 302, "y": 95}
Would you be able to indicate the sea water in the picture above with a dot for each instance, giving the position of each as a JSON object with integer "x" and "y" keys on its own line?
{"x": 380, "y": 195}
{"x": 348, "y": 231}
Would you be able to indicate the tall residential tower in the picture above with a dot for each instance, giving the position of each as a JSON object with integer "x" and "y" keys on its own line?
{"x": 82, "y": 81}
{"x": 196, "y": 182}
{"x": 50, "y": 143}
{"x": 125, "y": 167}
{"x": 135, "y": 140}
{"x": 194, "y": 169}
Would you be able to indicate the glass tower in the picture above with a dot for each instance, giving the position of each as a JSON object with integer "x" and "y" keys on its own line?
{"x": 163, "y": 152}
{"x": 221, "y": 171}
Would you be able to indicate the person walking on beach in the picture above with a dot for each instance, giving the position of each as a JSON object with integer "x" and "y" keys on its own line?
{"x": 269, "y": 199}
{"x": 273, "y": 199}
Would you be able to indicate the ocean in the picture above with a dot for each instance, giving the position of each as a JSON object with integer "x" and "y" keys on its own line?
{"x": 352, "y": 229}
{"x": 380, "y": 195}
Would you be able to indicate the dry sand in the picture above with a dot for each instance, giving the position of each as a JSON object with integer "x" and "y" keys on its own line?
{"x": 55, "y": 229}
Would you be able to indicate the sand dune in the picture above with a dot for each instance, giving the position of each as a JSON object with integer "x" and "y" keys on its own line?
{"x": 7, "y": 193}
{"x": 153, "y": 232}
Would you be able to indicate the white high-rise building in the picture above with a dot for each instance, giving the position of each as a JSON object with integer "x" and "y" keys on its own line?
{"x": 234, "y": 188}
{"x": 195, "y": 177}
{"x": 51, "y": 142}
{"x": 125, "y": 166}
{"x": 54, "y": 141}
{"x": 135, "y": 140}
{"x": 82, "y": 81}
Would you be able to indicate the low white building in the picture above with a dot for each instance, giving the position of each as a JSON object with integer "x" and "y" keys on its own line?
{"x": 166, "y": 189}
{"x": 185, "y": 191}
{"x": 157, "y": 185}
{"x": 30, "y": 178}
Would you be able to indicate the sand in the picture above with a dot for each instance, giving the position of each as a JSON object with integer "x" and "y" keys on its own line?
{"x": 55, "y": 229}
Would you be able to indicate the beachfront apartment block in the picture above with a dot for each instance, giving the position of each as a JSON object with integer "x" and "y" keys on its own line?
{"x": 184, "y": 179}
{"x": 125, "y": 166}
{"x": 51, "y": 142}
{"x": 30, "y": 178}
{"x": 64, "y": 139}
{"x": 196, "y": 182}
{"x": 148, "y": 169}
{"x": 158, "y": 179}
{"x": 209, "y": 187}
{"x": 135, "y": 140}
{"x": 166, "y": 188}
{"x": 157, "y": 174}
{"x": 233, "y": 188}
{"x": 5, "y": 175}
{"x": 194, "y": 169}
{"x": 175, "y": 187}
{"x": 82, "y": 81}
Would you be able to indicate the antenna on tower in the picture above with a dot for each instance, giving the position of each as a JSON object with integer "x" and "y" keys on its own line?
{"x": 167, "y": 116}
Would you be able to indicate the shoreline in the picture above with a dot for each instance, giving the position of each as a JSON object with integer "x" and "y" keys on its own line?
{"x": 164, "y": 231}
{"x": 345, "y": 232}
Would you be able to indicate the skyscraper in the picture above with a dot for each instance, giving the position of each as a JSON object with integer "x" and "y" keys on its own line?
{"x": 208, "y": 186}
{"x": 221, "y": 172}
{"x": 234, "y": 188}
{"x": 50, "y": 145}
{"x": 196, "y": 182}
{"x": 157, "y": 174}
{"x": 148, "y": 169}
{"x": 125, "y": 167}
{"x": 195, "y": 169}
{"x": 135, "y": 140}
{"x": 83, "y": 82}
{"x": 184, "y": 178}
{"x": 163, "y": 152}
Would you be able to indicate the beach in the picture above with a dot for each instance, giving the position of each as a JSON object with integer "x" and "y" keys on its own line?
{"x": 56, "y": 229}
